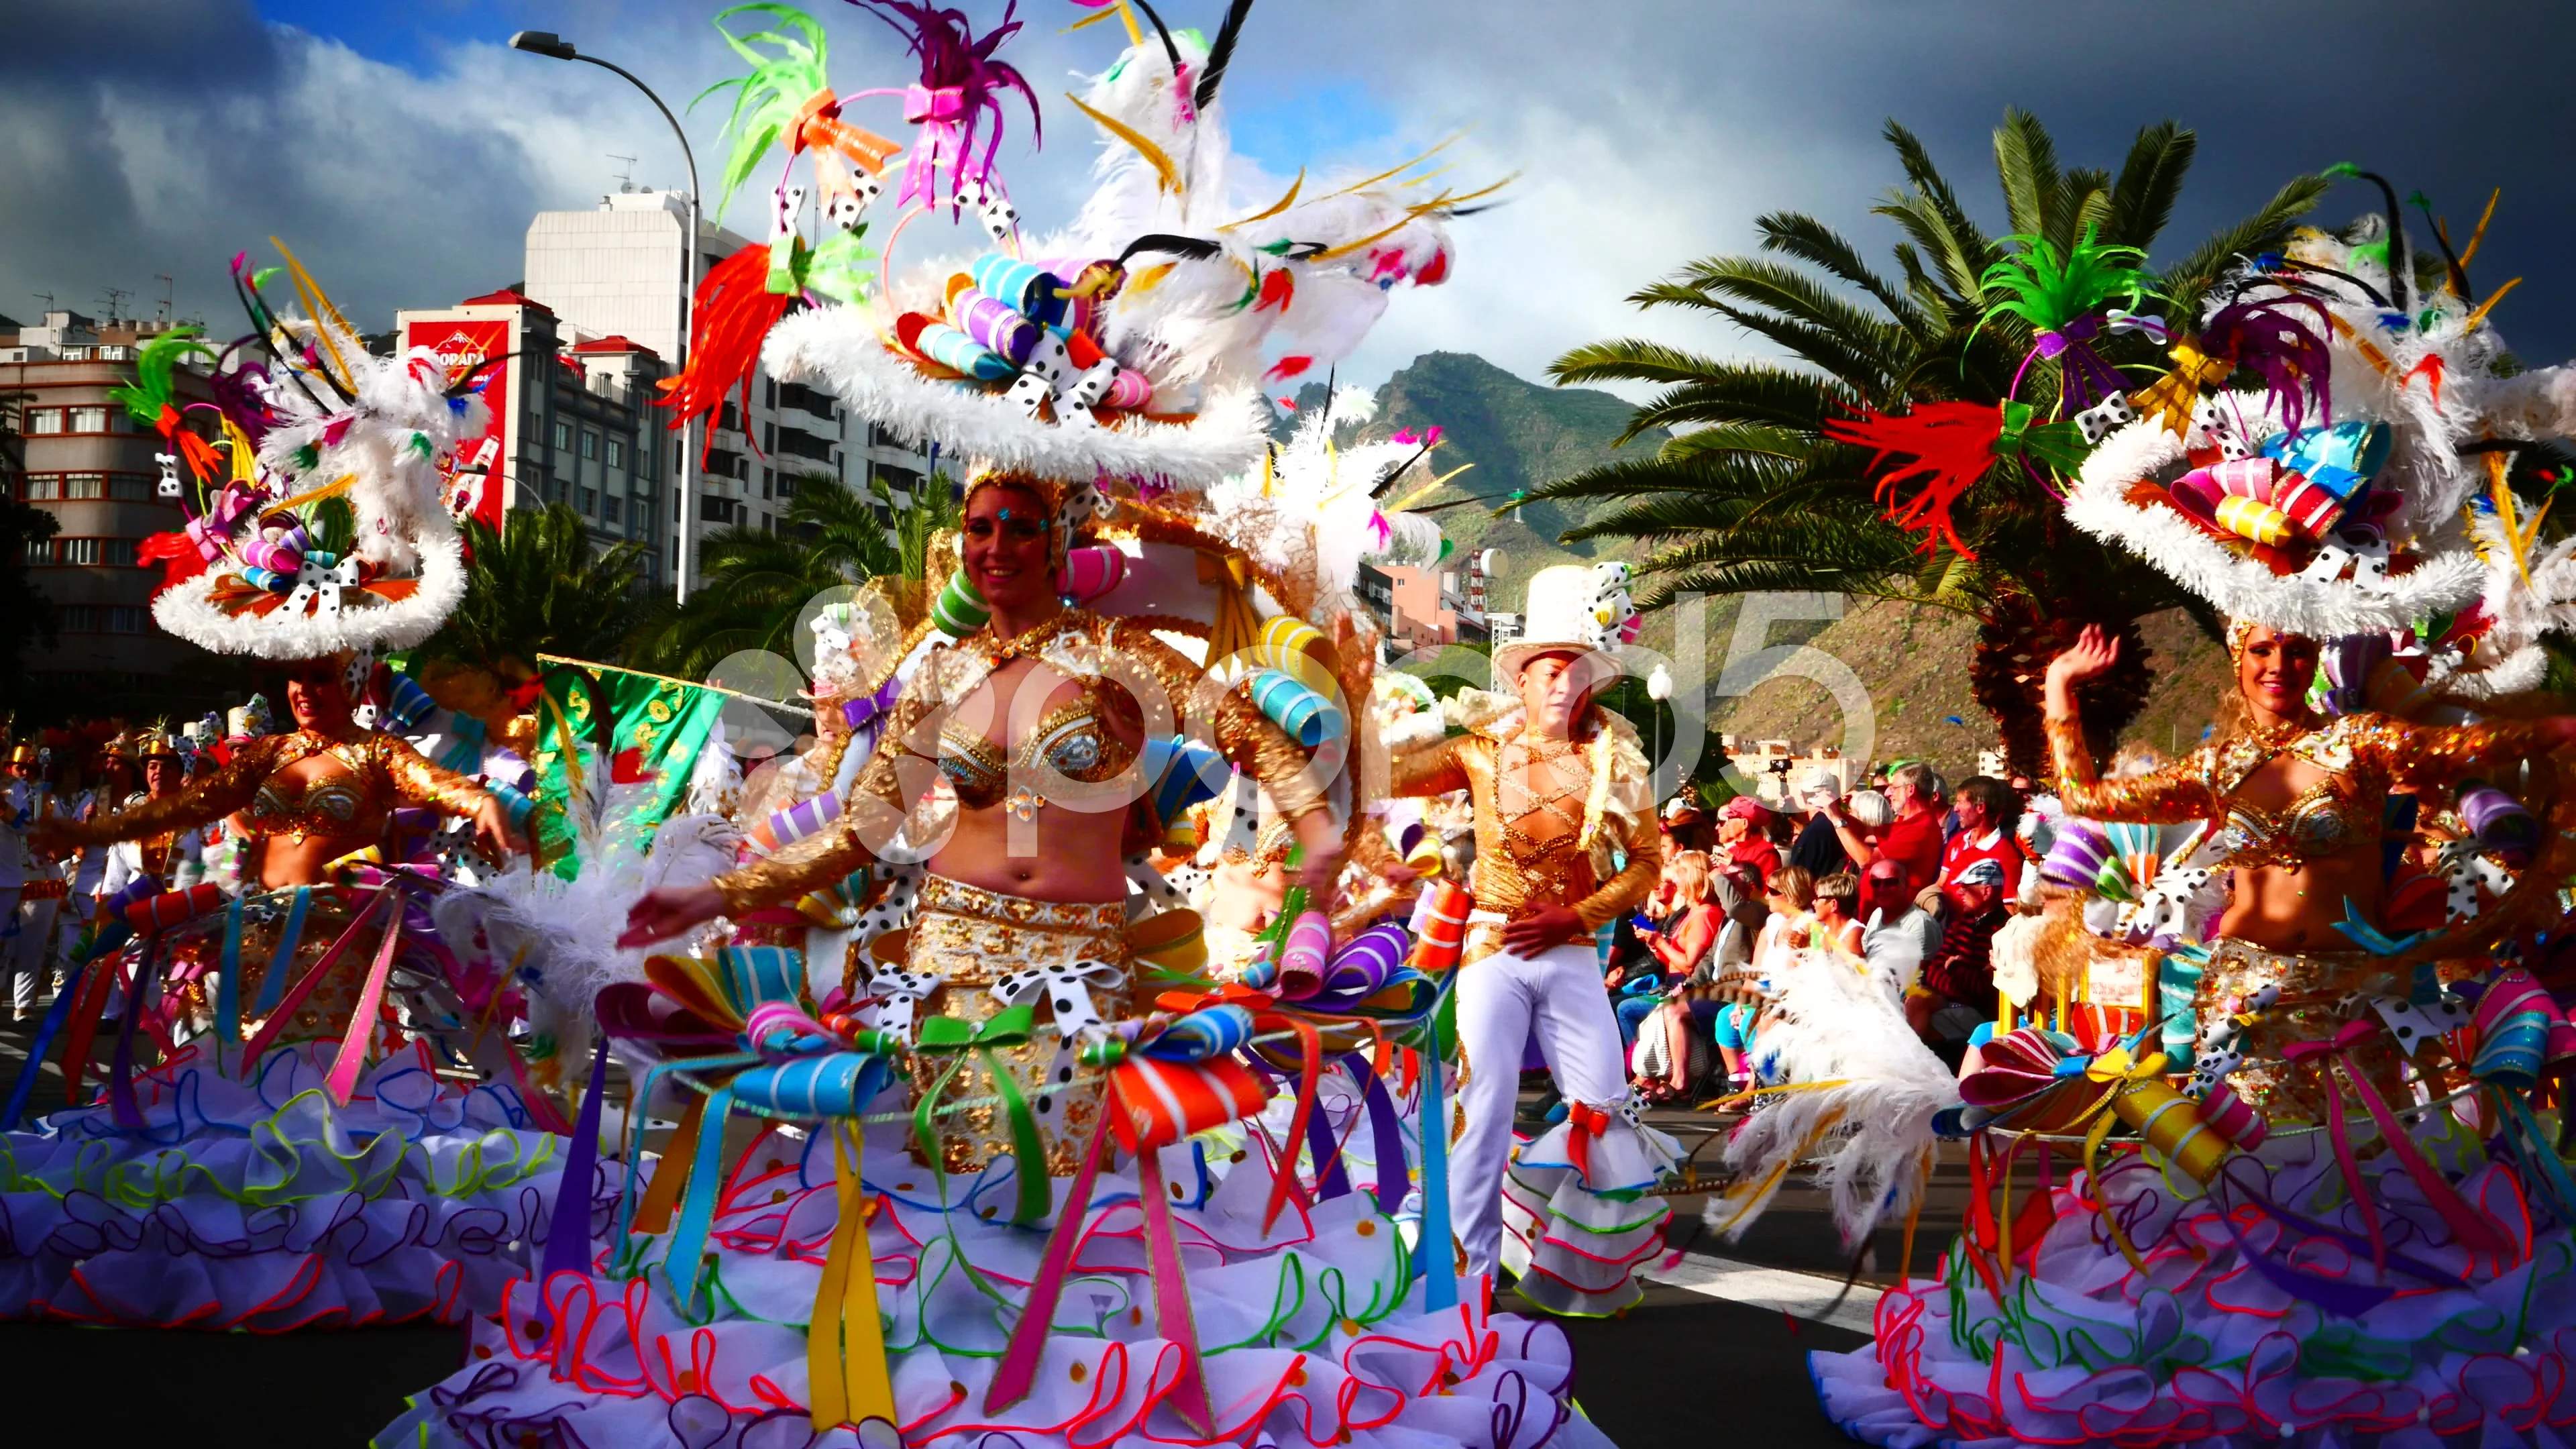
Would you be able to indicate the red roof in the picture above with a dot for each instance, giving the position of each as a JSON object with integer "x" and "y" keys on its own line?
{"x": 614, "y": 342}
{"x": 507, "y": 298}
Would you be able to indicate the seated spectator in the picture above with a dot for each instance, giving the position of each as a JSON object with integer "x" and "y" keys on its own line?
{"x": 1817, "y": 851}
{"x": 1897, "y": 935}
{"x": 1674, "y": 951}
{"x": 1989, "y": 829}
{"x": 1837, "y": 926}
{"x": 1744, "y": 830}
{"x": 1958, "y": 986}
{"x": 1913, "y": 838}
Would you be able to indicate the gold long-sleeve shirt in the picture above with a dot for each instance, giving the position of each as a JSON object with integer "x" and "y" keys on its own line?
{"x": 1515, "y": 872}
{"x": 1125, "y": 674}
{"x": 379, "y": 772}
{"x": 2362, "y": 755}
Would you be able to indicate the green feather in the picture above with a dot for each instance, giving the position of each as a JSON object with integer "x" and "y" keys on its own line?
{"x": 838, "y": 268}
{"x": 766, "y": 101}
{"x": 155, "y": 387}
{"x": 2049, "y": 290}
{"x": 334, "y": 528}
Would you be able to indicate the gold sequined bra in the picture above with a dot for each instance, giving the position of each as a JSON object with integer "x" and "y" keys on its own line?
{"x": 326, "y": 805}
{"x": 1075, "y": 741}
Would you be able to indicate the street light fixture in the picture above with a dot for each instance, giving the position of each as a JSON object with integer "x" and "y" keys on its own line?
{"x": 555, "y": 47}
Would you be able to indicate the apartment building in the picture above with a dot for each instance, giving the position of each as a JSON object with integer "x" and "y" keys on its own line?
{"x": 615, "y": 270}
{"x": 78, "y": 455}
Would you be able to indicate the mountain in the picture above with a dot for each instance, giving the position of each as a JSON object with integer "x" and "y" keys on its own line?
{"x": 1516, "y": 434}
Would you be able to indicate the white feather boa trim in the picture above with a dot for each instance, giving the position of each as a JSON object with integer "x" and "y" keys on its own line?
{"x": 185, "y": 610}
{"x": 2242, "y": 588}
{"x": 840, "y": 348}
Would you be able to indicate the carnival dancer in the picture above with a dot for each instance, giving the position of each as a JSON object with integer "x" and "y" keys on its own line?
{"x": 2349, "y": 1215}
{"x": 1565, "y": 843}
{"x": 378, "y": 1191}
{"x": 1030, "y": 873}
{"x": 168, "y": 860}
{"x": 26, "y": 877}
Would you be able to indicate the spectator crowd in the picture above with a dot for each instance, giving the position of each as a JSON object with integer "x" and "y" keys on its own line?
{"x": 1909, "y": 880}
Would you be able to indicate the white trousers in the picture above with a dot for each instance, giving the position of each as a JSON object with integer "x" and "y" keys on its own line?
{"x": 1501, "y": 1001}
{"x": 24, "y": 959}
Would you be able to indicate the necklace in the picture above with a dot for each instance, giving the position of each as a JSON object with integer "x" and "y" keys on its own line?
{"x": 1018, "y": 644}
{"x": 2273, "y": 737}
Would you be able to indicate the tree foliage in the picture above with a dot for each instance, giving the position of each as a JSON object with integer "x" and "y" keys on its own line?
{"x": 1748, "y": 495}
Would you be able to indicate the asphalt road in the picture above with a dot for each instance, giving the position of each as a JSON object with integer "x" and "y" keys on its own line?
{"x": 1752, "y": 1312}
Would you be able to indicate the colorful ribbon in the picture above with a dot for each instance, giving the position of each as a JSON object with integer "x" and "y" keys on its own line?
{"x": 2474, "y": 1231}
{"x": 954, "y": 1037}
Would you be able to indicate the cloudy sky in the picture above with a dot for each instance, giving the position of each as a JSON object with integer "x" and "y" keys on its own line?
{"x": 400, "y": 147}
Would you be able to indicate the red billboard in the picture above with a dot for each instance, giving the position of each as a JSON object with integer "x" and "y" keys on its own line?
{"x": 475, "y": 474}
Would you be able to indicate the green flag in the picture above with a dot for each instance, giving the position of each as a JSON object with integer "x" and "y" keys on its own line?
{"x": 621, "y": 742}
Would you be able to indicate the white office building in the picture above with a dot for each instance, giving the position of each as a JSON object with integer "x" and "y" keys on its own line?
{"x": 616, "y": 272}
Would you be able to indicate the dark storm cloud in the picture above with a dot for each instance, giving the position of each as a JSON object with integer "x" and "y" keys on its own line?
{"x": 150, "y": 136}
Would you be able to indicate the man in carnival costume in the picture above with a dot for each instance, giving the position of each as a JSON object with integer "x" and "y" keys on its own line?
{"x": 1566, "y": 843}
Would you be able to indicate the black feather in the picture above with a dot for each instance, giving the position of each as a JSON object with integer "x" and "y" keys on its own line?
{"x": 1191, "y": 247}
{"x": 1222, "y": 52}
{"x": 1169, "y": 48}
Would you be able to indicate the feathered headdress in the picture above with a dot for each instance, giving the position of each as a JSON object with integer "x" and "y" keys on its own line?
{"x": 1130, "y": 348}
{"x": 2361, "y": 488}
{"x": 315, "y": 526}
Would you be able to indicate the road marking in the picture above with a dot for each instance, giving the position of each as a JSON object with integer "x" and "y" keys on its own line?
{"x": 1800, "y": 1295}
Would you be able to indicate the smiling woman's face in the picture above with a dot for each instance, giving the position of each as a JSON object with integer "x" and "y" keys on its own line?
{"x": 2275, "y": 670}
{"x": 1005, "y": 548}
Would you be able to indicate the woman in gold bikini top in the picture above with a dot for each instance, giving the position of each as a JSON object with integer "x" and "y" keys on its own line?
{"x": 2298, "y": 805}
{"x": 308, "y": 797}
{"x": 2297, "y": 802}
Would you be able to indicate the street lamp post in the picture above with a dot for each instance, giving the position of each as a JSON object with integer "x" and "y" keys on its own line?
{"x": 553, "y": 46}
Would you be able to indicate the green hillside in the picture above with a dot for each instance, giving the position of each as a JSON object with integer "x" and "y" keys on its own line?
{"x": 1517, "y": 434}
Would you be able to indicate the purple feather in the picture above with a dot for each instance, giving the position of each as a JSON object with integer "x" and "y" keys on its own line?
{"x": 2269, "y": 340}
{"x": 952, "y": 57}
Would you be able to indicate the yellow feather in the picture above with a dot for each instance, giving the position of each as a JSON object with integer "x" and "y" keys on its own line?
{"x": 332, "y": 489}
{"x": 1425, "y": 491}
{"x": 1168, "y": 175}
{"x": 1274, "y": 208}
{"x": 1372, "y": 239}
{"x": 325, "y": 316}
{"x": 1146, "y": 280}
{"x": 2480, "y": 315}
{"x": 2478, "y": 238}
{"x": 245, "y": 457}
{"x": 1398, "y": 171}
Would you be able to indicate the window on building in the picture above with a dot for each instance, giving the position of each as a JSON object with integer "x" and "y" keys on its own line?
{"x": 132, "y": 488}
{"x": 563, "y": 435}
{"x": 590, "y": 500}
{"x": 715, "y": 510}
{"x": 76, "y": 618}
{"x": 41, "y": 421}
{"x": 40, "y": 552}
{"x": 617, "y": 452}
{"x": 769, "y": 437}
{"x": 768, "y": 484}
{"x": 729, "y": 419}
{"x": 769, "y": 393}
{"x": 83, "y": 551}
{"x": 87, "y": 420}
{"x": 84, "y": 485}
{"x": 612, "y": 508}
{"x": 768, "y": 524}
{"x": 786, "y": 485}
{"x": 118, "y": 553}
{"x": 41, "y": 487}
{"x": 126, "y": 618}
{"x": 589, "y": 444}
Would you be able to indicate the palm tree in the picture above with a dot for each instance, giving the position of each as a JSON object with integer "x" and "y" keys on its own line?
{"x": 757, "y": 583}
{"x": 536, "y": 587}
{"x": 1748, "y": 494}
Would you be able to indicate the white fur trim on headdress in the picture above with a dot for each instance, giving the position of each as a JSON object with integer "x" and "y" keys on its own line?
{"x": 2243, "y": 588}
{"x": 841, "y": 347}
{"x": 185, "y": 610}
